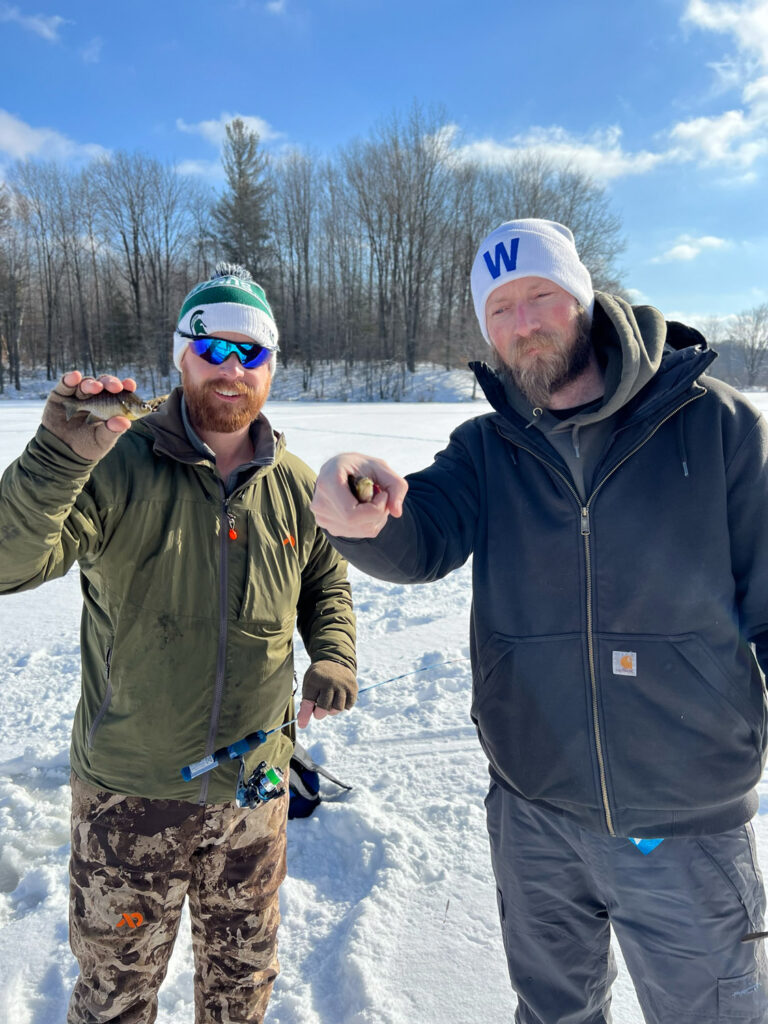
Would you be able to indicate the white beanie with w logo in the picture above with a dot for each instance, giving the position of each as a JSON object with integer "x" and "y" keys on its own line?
{"x": 529, "y": 248}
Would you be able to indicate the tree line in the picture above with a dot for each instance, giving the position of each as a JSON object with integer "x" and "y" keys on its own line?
{"x": 365, "y": 255}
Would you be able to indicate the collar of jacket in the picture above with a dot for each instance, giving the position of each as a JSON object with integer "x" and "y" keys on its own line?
{"x": 169, "y": 436}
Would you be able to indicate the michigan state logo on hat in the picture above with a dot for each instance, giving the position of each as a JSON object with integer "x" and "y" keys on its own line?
{"x": 196, "y": 325}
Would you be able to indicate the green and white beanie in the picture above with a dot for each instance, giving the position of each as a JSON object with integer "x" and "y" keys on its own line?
{"x": 229, "y": 301}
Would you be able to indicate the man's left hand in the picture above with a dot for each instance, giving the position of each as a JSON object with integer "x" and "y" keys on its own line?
{"x": 327, "y": 689}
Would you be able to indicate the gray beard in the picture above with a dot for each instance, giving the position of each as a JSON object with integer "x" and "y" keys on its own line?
{"x": 539, "y": 380}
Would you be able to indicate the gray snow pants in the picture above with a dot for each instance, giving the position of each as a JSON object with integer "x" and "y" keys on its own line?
{"x": 678, "y": 914}
{"x": 133, "y": 863}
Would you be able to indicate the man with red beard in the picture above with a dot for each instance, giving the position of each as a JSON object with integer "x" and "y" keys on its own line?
{"x": 614, "y": 505}
{"x": 198, "y": 555}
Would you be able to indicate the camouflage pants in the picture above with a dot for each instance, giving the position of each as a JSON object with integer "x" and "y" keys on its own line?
{"x": 133, "y": 863}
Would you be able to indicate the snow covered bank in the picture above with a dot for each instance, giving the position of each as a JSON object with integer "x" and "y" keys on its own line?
{"x": 330, "y": 382}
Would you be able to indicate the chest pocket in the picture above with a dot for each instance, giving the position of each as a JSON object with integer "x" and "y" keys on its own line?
{"x": 272, "y": 572}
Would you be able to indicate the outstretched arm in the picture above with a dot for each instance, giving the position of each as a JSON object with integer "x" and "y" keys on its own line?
{"x": 414, "y": 530}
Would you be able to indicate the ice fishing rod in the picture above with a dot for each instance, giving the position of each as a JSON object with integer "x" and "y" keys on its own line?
{"x": 255, "y": 739}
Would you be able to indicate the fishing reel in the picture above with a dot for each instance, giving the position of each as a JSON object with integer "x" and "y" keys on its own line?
{"x": 264, "y": 784}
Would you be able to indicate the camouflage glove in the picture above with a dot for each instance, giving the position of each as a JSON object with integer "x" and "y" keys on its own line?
{"x": 330, "y": 686}
{"x": 90, "y": 441}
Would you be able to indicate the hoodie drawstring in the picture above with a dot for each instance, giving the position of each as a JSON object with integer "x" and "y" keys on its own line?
{"x": 681, "y": 450}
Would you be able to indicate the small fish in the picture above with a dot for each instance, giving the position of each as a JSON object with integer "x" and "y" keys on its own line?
{"x": 107, "y": 404}
{"x": 363, "y": 488}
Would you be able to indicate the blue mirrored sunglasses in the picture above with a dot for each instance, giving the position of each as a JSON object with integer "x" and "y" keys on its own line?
{"x": 216, "y": 350}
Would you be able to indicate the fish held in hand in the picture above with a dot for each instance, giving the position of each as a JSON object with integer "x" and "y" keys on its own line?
{"x": 107, "y": 404}
{"x": 363, "y": 488}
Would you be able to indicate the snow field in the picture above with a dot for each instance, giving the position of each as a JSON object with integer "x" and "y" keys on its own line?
{"x": 389, "y": 911}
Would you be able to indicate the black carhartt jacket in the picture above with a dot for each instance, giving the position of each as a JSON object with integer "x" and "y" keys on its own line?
{"x": 613, "y": 640}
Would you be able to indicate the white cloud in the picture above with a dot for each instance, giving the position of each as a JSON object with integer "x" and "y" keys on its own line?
{"x": 91, "y": 53}
{"x": 201, "y": 168}
{"x": 737, "y": 138}
{"x": 756, "y": 94}
{"x": 601, "y": 155}
{"x": 732, "y": 141}
{"x": 687, "y": 247}
{"x": 214, "y": 131}
{"x": 276, "y": 6}
{"x": 746, "y": 21}
{"x": 20, "y": 141}
{"x": 45, "y": 26}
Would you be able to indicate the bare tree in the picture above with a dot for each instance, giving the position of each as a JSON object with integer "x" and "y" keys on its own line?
{"x": 166, "y": 233}
{"x": 294, "y": 220}
{"x": 399, "y": 183}
{"x": 121, "y": 183}
{"x": 14, "y": 275}
{"x": 37, "y": 186}
{"x": 751, "y": 336}
{"x": 149, "y": 216}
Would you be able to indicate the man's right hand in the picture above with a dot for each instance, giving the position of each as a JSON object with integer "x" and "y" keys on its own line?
{"x": 339, "y": 512}
{"x": 88, "y": 440}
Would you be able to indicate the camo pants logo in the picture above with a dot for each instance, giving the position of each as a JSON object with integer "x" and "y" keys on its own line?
{"x": 133, "y": 863}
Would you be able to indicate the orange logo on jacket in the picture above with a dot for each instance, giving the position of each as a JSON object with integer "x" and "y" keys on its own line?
{"x": 627, "y": 662}
{"x": 132, "y": 920}
{"x": 290, "y": 539}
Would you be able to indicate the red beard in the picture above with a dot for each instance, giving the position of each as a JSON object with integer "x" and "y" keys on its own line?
{"x": 208, "y": 412}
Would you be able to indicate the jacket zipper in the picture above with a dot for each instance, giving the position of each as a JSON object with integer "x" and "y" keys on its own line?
{"x": 107, "y": 698}
{"x": 586, "y": 532}
{"x": 221, "y": 654}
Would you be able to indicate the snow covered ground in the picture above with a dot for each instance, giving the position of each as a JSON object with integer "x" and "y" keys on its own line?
{"x": 389, "y": 910}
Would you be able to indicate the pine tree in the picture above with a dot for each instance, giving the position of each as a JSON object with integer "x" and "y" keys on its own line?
{"x": 241, "y": 228}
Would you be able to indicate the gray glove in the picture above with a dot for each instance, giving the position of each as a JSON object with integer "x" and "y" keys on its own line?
{"x": 329, "y": 685}
{"x": 90, "y": 440}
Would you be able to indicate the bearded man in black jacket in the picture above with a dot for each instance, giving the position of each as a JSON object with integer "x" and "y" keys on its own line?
{"x": 614, "y": 504}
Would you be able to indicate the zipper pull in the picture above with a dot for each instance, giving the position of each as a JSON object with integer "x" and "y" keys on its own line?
{"x": 231, "y": 521}
{"x": 585, "y": 529}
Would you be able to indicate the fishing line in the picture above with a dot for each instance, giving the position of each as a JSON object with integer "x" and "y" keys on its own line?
{"x": 255, "y": 739}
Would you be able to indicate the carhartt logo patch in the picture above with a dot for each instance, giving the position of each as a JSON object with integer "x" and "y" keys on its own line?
{"x": 132, "y": 920}
{"x": 624, "y": 663}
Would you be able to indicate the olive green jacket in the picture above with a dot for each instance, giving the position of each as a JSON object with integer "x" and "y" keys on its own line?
{"x": 187, "y": 634}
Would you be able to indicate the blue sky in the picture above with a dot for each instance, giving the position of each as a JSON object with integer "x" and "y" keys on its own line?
{"x": 663, "y": 101}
